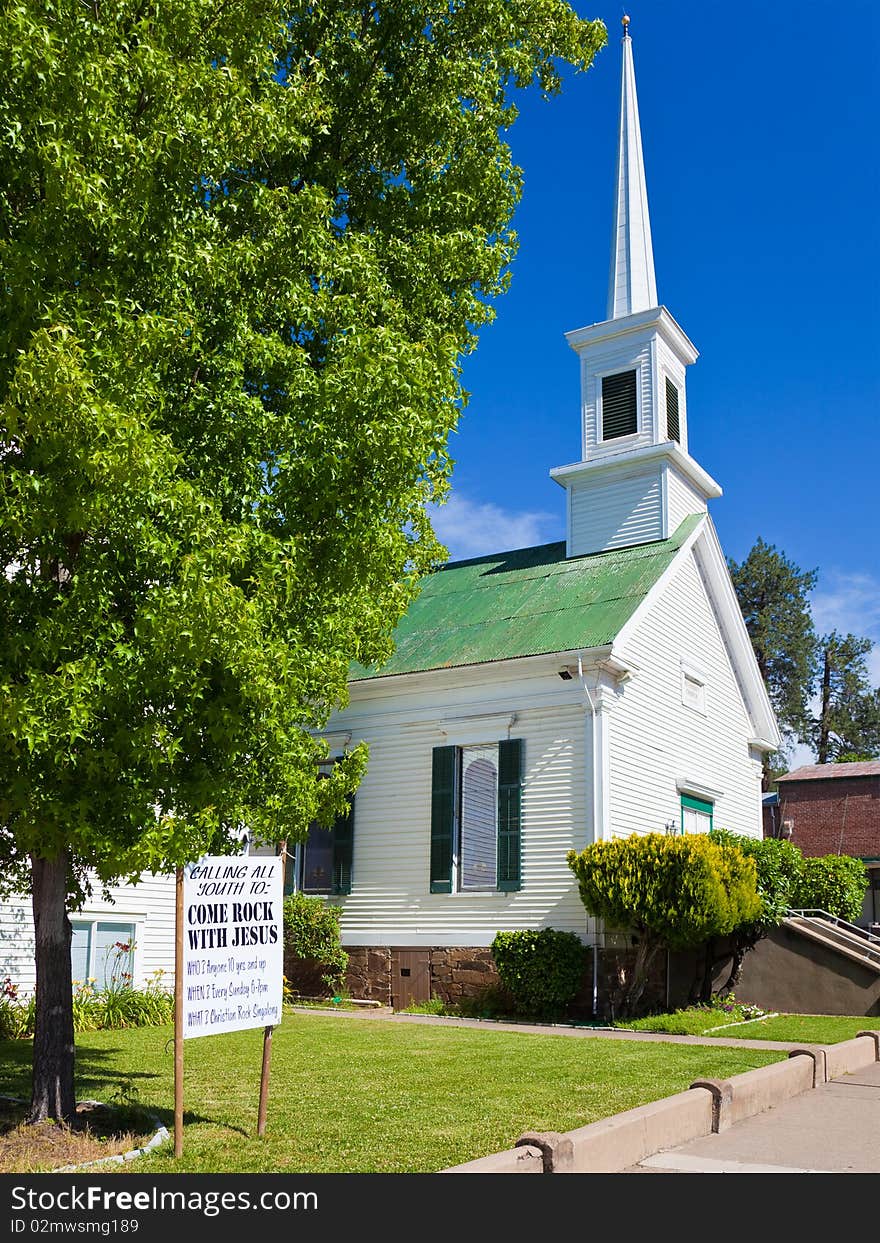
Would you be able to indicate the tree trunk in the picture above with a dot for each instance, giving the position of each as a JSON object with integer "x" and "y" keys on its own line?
{"x": 825, "y": 710}
{"x": 646, "y": 952}
{"x": 53, "y": 1090}
{"x": 733, "y": 979}
{"x": 709, "y": 964}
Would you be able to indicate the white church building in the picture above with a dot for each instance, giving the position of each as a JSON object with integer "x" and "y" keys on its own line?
{"x": 545, "y": 698}
{"x": 538, "y": 699}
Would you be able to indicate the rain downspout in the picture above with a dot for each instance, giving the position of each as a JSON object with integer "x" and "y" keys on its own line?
{"x": 593, "y": 747}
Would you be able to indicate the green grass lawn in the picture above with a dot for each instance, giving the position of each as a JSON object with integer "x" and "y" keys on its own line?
{"x": 809, "y": 1028}
{"x": 351, "y": 1095}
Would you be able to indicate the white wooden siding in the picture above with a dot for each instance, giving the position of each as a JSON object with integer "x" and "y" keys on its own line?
{"x": 390, "y": 902}
{"x": 682, "y": 499}
{"x": 656, "y": 740}
{"x": 626, "y": 355}
{"x": 149, "y": 905}
{"x": 624, "y": 509}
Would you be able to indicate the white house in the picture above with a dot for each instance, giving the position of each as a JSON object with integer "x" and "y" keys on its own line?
{"x": 538, "y": 699}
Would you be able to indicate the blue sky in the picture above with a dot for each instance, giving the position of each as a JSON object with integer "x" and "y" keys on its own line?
{"x": 759, "y": 127}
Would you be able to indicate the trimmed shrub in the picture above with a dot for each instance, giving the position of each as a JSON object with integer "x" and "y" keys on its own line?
{"x": 311, "y": 943}
{"x": 541, "y": 970}
{"x": 833, "y": 883}
{"x": 672, "y": 892}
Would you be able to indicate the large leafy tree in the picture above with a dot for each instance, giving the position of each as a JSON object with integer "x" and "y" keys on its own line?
{"x": 244, "y": 247}
{"x": 846, "y": 725}
{"x": 773, "y": 596}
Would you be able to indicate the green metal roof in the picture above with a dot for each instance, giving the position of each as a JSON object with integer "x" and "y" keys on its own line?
{"x": 524, "y": 603}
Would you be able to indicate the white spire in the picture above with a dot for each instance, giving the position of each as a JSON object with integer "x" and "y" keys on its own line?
{"x": 631, "y": 285}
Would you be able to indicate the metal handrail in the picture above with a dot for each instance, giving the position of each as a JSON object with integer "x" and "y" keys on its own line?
{"x": 812, "y": 912}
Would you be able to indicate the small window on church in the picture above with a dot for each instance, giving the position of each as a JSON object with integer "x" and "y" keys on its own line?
{"x": 619, "y": 412}
{"x": 673, "y": 430}
{"x": 693, "y": 691}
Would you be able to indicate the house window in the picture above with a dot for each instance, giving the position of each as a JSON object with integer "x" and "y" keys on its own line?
{"x": 322, "y": 864}
{"x": 102, "y": 951}
{"x": 619, "y": 407}
{"x": 475, "y": 818}
{"x": 693, "y": 691}
{"x": 696, "y": 815}
{"x": 478, "y": 821}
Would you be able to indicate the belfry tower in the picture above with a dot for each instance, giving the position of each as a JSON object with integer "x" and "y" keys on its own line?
{"x": 636, "y": 480}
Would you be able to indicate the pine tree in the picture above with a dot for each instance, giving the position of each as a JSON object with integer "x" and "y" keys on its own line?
{"x": 773, "y": 597}
{"x": 847, "y": 724}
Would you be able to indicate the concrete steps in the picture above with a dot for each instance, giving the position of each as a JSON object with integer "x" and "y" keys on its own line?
{"x": 850, "y": 944}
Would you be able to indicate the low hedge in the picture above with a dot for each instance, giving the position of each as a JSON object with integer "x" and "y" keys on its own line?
{"x": 542, "y": 970}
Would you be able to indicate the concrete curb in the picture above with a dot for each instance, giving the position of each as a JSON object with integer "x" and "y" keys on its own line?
{"x": 523, "y": 1160}
{"x": 708, "y": 1106}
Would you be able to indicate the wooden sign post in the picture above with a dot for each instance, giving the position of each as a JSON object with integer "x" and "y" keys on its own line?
{"x": 228, "y": 959}
{"x": 178, "y": 1014}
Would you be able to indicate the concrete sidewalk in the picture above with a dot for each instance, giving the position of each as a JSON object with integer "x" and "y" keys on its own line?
{"x": 835, "y": 1128}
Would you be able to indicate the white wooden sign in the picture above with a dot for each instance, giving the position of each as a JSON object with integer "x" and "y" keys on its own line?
{"x": 232, "y": 944}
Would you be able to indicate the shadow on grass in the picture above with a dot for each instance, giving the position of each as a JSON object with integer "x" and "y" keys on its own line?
{"x": 92, "y": 1076}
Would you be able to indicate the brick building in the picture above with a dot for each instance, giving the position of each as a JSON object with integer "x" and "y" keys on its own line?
{"x": 835, "y": 809}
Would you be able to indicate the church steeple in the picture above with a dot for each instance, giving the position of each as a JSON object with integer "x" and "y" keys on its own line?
{"x": 631, "y": 283}
{"x": 636, "y": 480}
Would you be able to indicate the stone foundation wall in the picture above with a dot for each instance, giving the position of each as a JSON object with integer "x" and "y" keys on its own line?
{"x": 462, "y": 972}
{"x": 304, "y": 976}
{"x": 456, "y": 973}
{"x": 368, "y": 975}
{"x": 467, "y": 971}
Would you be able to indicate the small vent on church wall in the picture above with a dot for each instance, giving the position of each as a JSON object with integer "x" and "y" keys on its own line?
{"x": 619, "y": 413}
{"x": 673, "y": 430}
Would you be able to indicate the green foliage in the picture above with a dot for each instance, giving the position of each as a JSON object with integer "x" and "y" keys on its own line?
{"x": 672, "y": 892}
{"x": 833, "y": 883}
{"x": 94, "y": 1009}
{"x": 847, "y": 723}
{"x": 311, "y": 933}
{"x": 698, "y": 1020}
{"x": 677, "y": 890}
{"x": 434, "y": 1005}
{"x": 773, "y": 596}
{"x": 244, "y": 250}
{"x": 541, "y": 969}
{"x": 778, "y": 864}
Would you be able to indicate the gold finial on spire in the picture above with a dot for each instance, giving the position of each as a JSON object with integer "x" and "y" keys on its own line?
{"x": 624, "y": 21}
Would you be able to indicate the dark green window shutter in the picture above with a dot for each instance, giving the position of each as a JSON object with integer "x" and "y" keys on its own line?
{"x": 619, "y": 414}
{"x": 343, "y": 851}
{"x": 673, "y": 431}
{"x": 443, "y": 800}
{"x": 510, "y": 765}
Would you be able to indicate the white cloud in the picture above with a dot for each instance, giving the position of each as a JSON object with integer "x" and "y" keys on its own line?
{"x": 471, "y": 529}
{"x": 850, "y": 604}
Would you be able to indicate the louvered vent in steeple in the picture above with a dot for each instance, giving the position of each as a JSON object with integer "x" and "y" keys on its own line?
{"x": 673, "y": 428}
{"x": 619, "y": 413}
